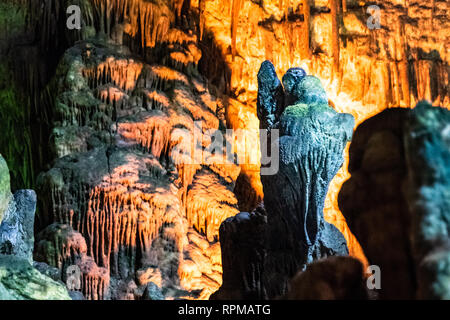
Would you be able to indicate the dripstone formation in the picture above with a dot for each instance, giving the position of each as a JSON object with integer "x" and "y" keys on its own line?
{"x": 19, "y": 279}
{"x": 262, "y": 250}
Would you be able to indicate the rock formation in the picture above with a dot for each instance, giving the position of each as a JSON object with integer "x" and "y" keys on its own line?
{"x": 18, "y": 278}
{"x": 335, "y": 278}
{"x": 96, "y": 121}
{"x": 427, "y": 149}
{"x": 399, "y": 166}
{"x": 373, "y": 195}
{"x": 262, "y": 250}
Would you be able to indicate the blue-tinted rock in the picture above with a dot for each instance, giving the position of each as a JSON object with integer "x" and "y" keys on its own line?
{"x": 292, "y": 77}
{"x": 310, "y": 91}
{"x": 152, "y": 292}
{"x": 76, "y": 295}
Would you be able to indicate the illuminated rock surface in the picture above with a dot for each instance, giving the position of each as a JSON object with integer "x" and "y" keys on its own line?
{"x": 20, "y": 281}
{"x": 335, "y": 278}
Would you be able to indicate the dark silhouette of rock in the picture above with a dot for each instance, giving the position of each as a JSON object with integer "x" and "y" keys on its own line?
{"x": 373, "y": 195}
{"x": 262, "y": 250}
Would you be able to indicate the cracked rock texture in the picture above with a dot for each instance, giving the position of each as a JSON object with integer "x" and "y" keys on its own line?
{"x": 399, "y": 165}
{"x": 272, "y": 243}
{"x": 19, "y": 280}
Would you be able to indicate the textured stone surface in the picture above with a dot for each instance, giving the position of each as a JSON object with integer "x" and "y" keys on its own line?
{"x": 19, "y": 281}
{"x": 48, "y": 270}
{"x": 270, "y": 95}
{"x": 152, "y": 292}
{"x": 5, "y": 191}
{"x": 374, "y": 195}
{"x": 125, "y": 187}
{"x": 335, "y": 278}
{"x": 427, "y": 136}
{"x": 262, "y": 250}
{"x": 17, "y": 227}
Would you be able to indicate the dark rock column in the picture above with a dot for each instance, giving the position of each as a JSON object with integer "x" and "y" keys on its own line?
{"x": 259, "y": 257}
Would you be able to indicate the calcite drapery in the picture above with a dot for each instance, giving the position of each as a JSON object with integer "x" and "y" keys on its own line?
{"x": 292, "y": 231}
{"x": 128, "y": 179}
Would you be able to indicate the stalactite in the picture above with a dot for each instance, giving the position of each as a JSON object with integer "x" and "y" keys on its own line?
{"x": 123, "y": 212}
{"x": 208, "y": 204}
{"x": 344, "y": 5}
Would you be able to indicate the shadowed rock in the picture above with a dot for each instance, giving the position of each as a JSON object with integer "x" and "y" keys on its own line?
{"x": 427, "y": 144}
{"x": 270, "y": 95}
{"x": 399, "y": 165}
{"x": 16, "y": 229}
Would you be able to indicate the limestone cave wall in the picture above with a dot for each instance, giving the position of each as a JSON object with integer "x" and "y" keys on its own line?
{"x": 98, "y": 121}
